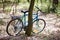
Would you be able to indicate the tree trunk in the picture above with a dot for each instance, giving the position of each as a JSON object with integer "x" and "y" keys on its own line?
{"x": 30, "y": 24}
{"x": 3, "y": 5}
{"x": 55, "y": 4}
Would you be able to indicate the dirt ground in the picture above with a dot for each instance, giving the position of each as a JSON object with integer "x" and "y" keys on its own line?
{"x": 51, "y": 31}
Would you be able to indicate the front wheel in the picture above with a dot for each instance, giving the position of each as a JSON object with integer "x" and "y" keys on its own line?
{"x": 14, "y": 27}
{"x": 38, "y": 26}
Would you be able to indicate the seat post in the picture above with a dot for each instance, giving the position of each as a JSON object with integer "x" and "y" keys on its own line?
{"x": 24, "y": 18}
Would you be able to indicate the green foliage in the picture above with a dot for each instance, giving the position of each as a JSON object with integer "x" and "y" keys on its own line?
{"x": 44, "y": 5}
{"x": 58, "y": 10}
{"x": 7, "y": 9}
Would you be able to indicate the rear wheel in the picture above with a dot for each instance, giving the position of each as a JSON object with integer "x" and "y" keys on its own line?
{"x": 14, "y": 27}
{"x": 38, "y": 26}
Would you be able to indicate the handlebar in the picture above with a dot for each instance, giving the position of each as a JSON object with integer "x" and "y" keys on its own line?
{"x": 28, "y": 11}
{"x": 38, "y": 8}
{"x": 24, "y": 11}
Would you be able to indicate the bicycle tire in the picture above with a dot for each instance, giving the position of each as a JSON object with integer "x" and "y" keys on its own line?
{"x": 38, "y": 25}
{"x": 8, "y": 25}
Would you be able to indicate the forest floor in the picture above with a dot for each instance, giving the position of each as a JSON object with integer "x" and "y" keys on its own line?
{"x": 51, "y": 31}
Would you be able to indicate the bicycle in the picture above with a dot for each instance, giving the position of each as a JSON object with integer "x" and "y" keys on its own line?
{"x": 19, "y": 22}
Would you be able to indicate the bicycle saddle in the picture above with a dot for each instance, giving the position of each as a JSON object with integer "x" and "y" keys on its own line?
{"x": 24, "y": 11}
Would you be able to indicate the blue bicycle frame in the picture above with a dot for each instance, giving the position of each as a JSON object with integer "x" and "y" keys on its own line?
{"x": 25, "y": 15}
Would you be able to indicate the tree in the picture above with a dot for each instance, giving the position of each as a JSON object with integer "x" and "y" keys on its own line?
{"x": 28, "y": 0}
{"x": 30, "y": 24}
{"x": 3, "y": 5}
{"x": 55, "y": 4}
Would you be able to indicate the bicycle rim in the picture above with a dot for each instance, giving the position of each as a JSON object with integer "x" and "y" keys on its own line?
{"x": 38, "y": 26}
{"x": 12, "y": 25}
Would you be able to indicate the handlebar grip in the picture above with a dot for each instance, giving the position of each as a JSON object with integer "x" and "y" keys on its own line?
{"x": 38, "y": 8}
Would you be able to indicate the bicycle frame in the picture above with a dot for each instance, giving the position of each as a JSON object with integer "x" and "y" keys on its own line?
{"x": 22, "y": 23}
{"x": 24, "y": 17}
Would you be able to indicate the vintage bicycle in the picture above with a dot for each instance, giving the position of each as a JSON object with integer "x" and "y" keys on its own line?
{"x": 18, "y": 23}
